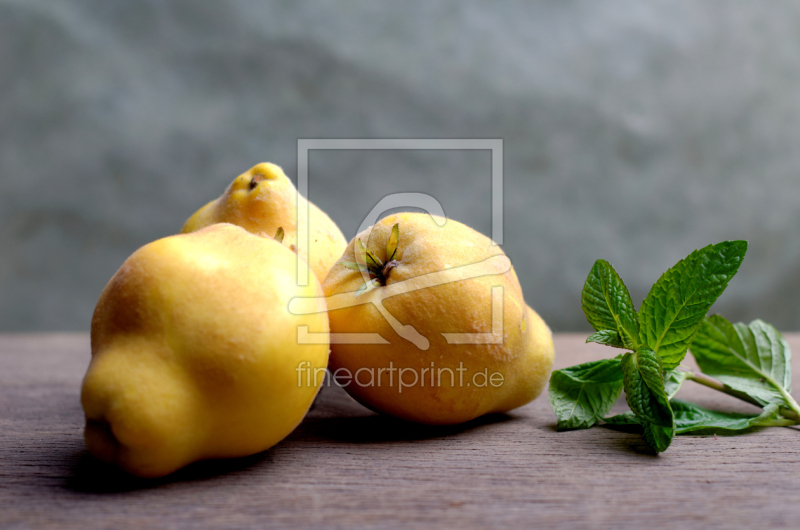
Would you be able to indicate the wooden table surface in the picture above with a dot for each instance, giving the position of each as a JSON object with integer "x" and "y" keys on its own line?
{"x": 347, "y": 466}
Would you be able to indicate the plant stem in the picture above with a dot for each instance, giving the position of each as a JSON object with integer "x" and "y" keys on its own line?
{"x": 792, "y": 404}
{"x": 789, "y": 413}
{"x": 716, "y": 385}
{"x": 777, "y": 423}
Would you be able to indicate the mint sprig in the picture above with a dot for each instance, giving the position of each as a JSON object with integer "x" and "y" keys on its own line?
{"x": 751, "y": 362}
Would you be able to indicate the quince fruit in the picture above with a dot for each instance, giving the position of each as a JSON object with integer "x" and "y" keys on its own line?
{"x": 195, "y": 353}
{"x": 451, "y": 336}
{"x": 262, "y": 200}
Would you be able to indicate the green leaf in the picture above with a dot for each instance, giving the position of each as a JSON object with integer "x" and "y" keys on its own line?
{"x": 644, "y": 387}
{"x": 368, "y": 286}
{"x": 626, "y": 418}
{"x": 659, "y": 437}
{"x": 754, "y": 359}
{"x": 581, "y": 395}
{"x": 676, "y": 304}
{"x": 673, "y": 380}
{"x": 609, "y": 337}
{"x": 607, "y": 304}
{"x": 690, "y": 417}
{"x": 279, "y": 234}
{"x": 354, "y": 266}
{"x": 391, "y": 244}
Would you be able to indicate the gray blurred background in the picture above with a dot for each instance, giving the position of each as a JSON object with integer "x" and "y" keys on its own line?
{"x": 634, "y": 131}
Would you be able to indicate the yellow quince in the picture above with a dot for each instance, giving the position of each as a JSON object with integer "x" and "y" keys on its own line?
{"x": 263, "y": 199}
{"x": 195, "y": 354}
{"x": 445, "y": 335}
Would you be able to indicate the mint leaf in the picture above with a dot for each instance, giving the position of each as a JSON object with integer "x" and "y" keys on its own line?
{"x": 754, "y": 359}
{"x": 676, "y": 304}
{"x": 608, "y": 337}
{"x": 626, "y": 418}
{"x": 644, "y": 387}
{"x": 673, "y": 380}
{"x": 690, "y": 417}
{"x": 607, "y": 304}
{"x": 581, "y": 395}
{"x": 659, "y": 437}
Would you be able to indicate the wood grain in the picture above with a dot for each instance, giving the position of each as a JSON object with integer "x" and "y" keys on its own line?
{"x": 347, "y": 466}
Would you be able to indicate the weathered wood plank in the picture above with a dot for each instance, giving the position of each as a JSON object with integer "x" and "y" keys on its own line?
{"x": 347, "y": 466}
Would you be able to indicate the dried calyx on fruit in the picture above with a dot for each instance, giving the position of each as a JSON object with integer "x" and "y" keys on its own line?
{"x": 374, "y": 270}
